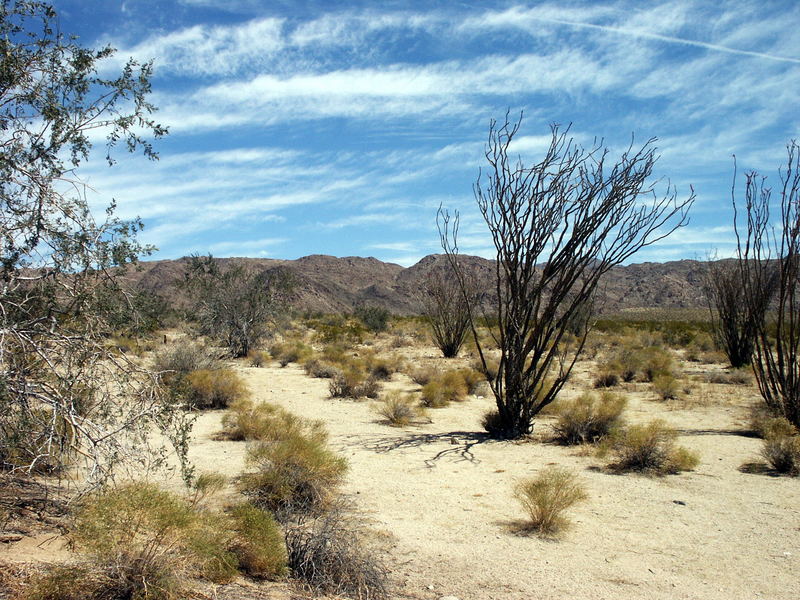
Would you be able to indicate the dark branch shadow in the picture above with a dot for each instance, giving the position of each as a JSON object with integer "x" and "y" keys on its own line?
{"x": 738, "y": 432}
{"x": 461, "y": 444}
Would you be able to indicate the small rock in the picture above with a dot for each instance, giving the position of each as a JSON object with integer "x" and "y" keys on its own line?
{"x": 448, "y": 598}
{"x": 681, "y": 502}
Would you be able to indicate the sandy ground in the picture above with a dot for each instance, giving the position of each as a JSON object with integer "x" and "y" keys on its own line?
{"x": 441, "y": 496}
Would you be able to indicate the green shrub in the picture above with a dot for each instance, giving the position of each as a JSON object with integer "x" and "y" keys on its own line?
{"x": 399, "y": 409}
{"x": 547, "y": 496}
{"x": 666, "y": 386}
{"x": 588, "y": 418}
{"x": 294, "y": 474}
{"x": 783, "y": 454}
{"x": 148, "y": 541}
{"x": 331, "y": 557}
{"x": 258, "y": 542}
{"x": 374, "y": 318}
{"x": 657, "y": 362}
{"x": 268, "y": 422}
{"x": 214, "y": 389}
{"x": 650, "y": 448}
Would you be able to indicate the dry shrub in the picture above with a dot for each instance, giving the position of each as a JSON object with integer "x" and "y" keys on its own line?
{"x": 657, "y": 362}
{"x": 783, "y": 454}
{"x": 214, "y": 389}
{"x": 295, "y": 474}
{"x": 606, "y": 379}
{"x": 547, "y": 496}
{"x": 588, "y": 418}
{"x": 183, "y": 358}
{"x": 69, "y": 582}
{"x": 353, "y": 383}
{"x": 423, "y": 375}
{"x": 268, "y": 422}
{"x": 258, "y": 358}
{"x": 765, "y": 424}
{"x": 651, "y": 449}
{"x": 444, "y": 389}
{"x": 382, "y": 368}
{"x": 492, "y": 368}
{"x": 732, "y": 377}
{"x": 144, "y": 542}
{"x": 320, "y": 369}
{"x": 330, "y": 556}
{"x": 472, "y": 378}
{"x": 666, "y": 386}
{"x": 258, "y": 542}
{"x": 400, "y": 409}
{"x": 626, "y": 361}
{"x": 293, "y": 351}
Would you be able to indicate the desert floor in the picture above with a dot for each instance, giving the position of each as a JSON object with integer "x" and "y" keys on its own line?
{"x": 439, "y": 496}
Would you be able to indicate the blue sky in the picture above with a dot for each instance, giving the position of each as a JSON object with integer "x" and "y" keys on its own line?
{"x": 339, "y": 127}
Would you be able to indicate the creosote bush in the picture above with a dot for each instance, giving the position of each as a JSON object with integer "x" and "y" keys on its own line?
{"x": 295, "y": 472}
{"x": 589, "y": 417}
{"x": 258, "y": 542}
{"x": 651, "y": 449}
{"x": 666, "y": 386}
{"x": 147, "y": 541}
{"x": 546, "y": 497}
{"x": 214, "y": 389}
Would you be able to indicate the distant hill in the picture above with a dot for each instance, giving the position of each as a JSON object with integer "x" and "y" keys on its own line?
{"x": 331, "y": 285}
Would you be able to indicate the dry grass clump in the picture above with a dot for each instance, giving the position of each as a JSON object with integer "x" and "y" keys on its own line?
{"x": 491, "y": 370}
{"x": 382, "y": 367}
{"x": 472, "y": 378}
{"x": 295, "y": 473}
{"x": 742, "y": 376}
{"x": 666, "y": 386}
{"x": 267, "y": 422}
{"x": 423, "y": 375}
{"x": 783, "y": 454}
{"x": 214, "y": 389}
{"x": 353, "y": 383}
{"x": 183, "y": 358}
{"x": 258, "y": 358}
{"x": 589, "y": 417}
{"x": 331, "y": 557}
{"x": 546, "y": 497}
{"x": 291, "y": 351}
{"x": 606, "y": 379}
{"x": 400, "y": 409}
{"x": 657, "y": 362}
{"x": 258, "y": 542}
{"x": 651, "y": 449}
{"x": 444, "y": 389}
{"x": 766, "y": 424}
{"x": 321, "y": 369}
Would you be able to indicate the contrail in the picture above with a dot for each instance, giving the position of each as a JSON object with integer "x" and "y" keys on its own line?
{"x": 667, "y": 38}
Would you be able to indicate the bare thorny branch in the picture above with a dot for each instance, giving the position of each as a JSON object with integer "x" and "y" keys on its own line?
{"x": 557, "y": 227}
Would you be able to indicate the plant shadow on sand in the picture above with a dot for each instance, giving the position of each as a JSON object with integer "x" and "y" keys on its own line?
{"x": 461, "y": 444}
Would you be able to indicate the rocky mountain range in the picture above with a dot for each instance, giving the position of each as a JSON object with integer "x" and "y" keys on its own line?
{"x": 329, "y": 284}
